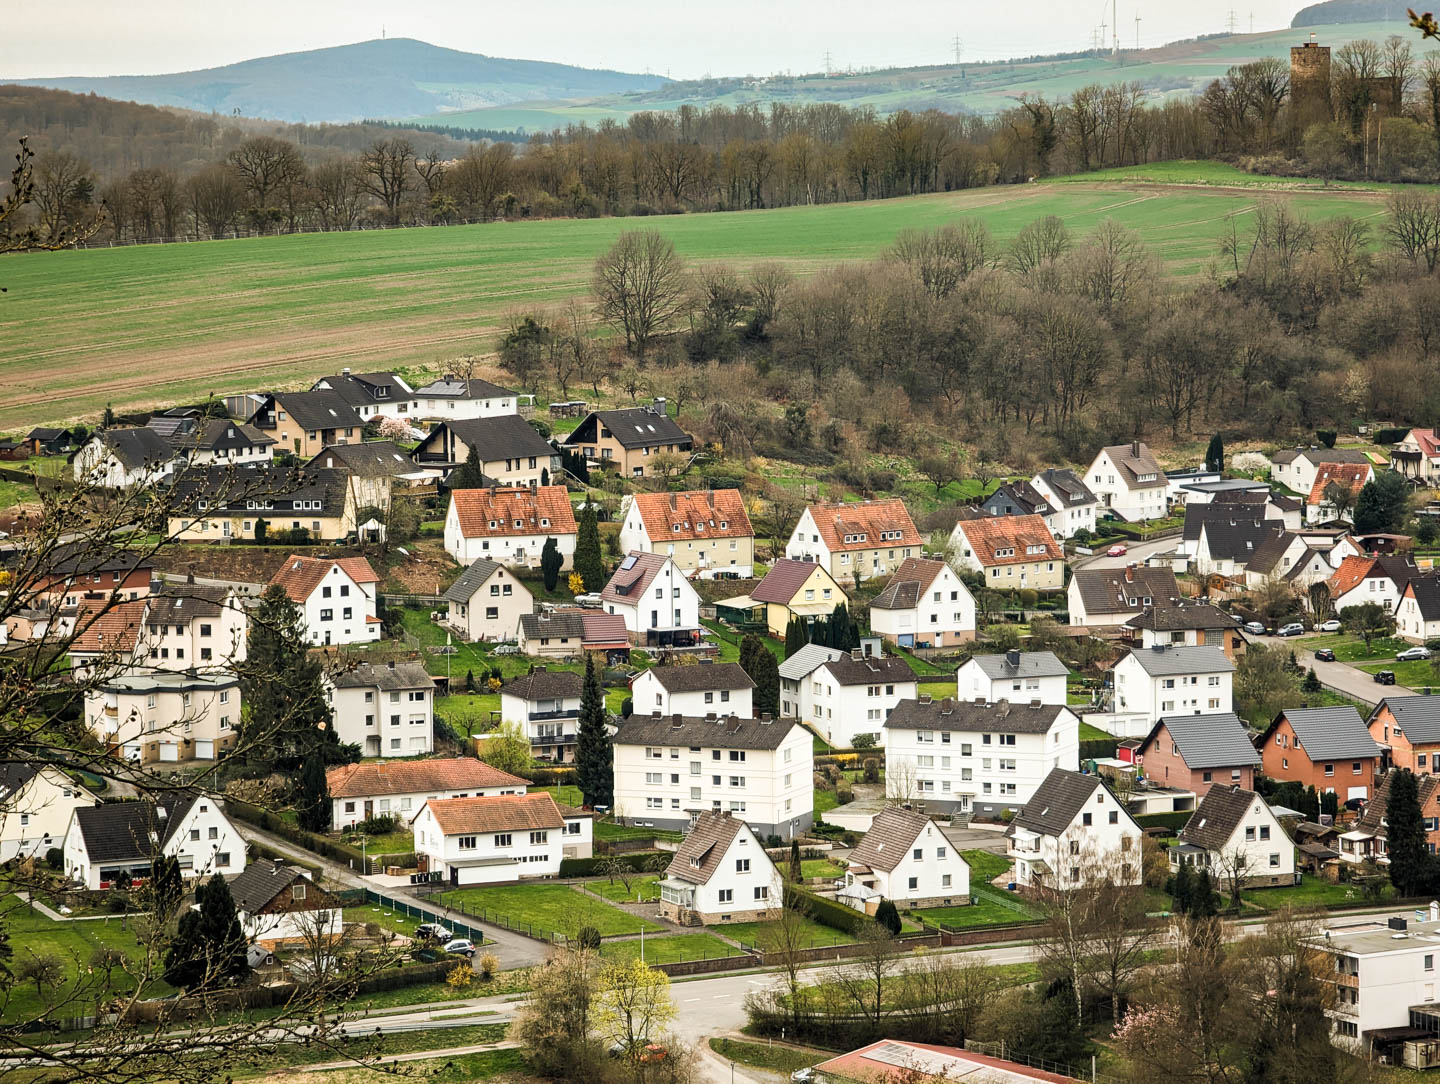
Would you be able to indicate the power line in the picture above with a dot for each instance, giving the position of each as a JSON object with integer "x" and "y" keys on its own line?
{"x": 1230, "y": 22}
{"x": 828, "y": 62}
{"x": 956, "y": 46}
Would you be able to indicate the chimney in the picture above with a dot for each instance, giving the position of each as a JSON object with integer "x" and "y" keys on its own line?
{"x": 857, "y": 654}
{"x": 924, "y": 698}
{"x": 1434, "y": 911}
{"x": 1012, "y": 658}
{"x": 655, "y": 715}
{"x": 345, "y": 371}
{"x": 1135, "y": 448}
{"x": 677, "y": 721}
{"x": 1129, "y": 573}
{"x": 391, "y": 664}
{"x": 766, "y": 718}
{"x": 660, "y": 404}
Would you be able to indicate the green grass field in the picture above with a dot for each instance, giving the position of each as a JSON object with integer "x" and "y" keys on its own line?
{"x": 984, "y": 913}
{"x": 815, "y": 935}
{"x": 1311, "y": 892}
{"x": 154, "y": 324}
{"x": 548, "y": 909}
{"x": 643, "y": 888}
{"x": 776, "y": 1059}
{"x": 675, "y": 948}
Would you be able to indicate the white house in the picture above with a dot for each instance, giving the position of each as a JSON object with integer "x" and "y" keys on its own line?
{"x": 506, "y": 449}
{"x": 546, "y": 705}
{"x": 720, "y": 873}
{"x": 278, "y": 904}
{"x": 855, "y": 541}
{"x": 1233, "y": 833}
{"x": 1106, "y": 597}
{"x": 510, "y": 525}
{"x": 477, "y": 841}
{"x": 486, "y": 602}
{"x": 1073, "y": 831}
{"x": 385, "y": 710}
{"x": 371, "y": 395}
{"x": 670, "y": 767}
{"x": 1381, "y": 980}
{"x": 1296, "y": 468}
{"x": 1346, "y": 479}
{"x": 118, "y": 841}
{"x": 905, "y": 857}
{"x": 165, "y": 717}
{"x": 1165, "y": 680}
{"x": 192, "y": 626}
{"x": 1417, "y": 618}
{"x": 36, "y": 804}
{"x": 453, "y": 397}
{"x": 400, "y": 787}
{"x": 124, "y": 459}
{"x": 966, "y": 757}
{"x": 709, "y": 688}
{"x": 1021, "y": 677}
{"x": 1127, "y": 481}
{"x": 660, "y": 607}
{"x": 336, "y": 596}
{"x": 854, "y": 695}
{"x": 924, "y": 605}
{"x": 1358, "y": 580}
{"x": 796, "y": 692}
{"x": 1074, "y": 503}
{"x": 214, "y": 442}
{"x": 707, "y": 531}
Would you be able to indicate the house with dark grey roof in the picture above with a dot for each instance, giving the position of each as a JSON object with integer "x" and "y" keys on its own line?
{"x": 973, "y": 756}
{"x": 217, "y": 504}
{"x": 1417, "y": 616}
{"x": 905, "y": 857}
{"x": 124, "y": 459}
{"x": 1071, "y": 498}
{"x": 456, "y": 398}
{"x": 279, "y": 904}
{"x": 1023, "y": 499}
{"x": 372, "y": 459}
{"x": 44, "y": 440}
{"x": 1196, "y": 752}
{"x": 207, "y": 441}
{"x": 1222, "y": 538}
{"x": 546, "y": 705}
{"x": 1326, "y": 748}
{"x": 1235, "y": 836}
{"x": 1073, "y": 832}
{"x": 1159, "y": 681}
{"x": 486, "y": 602}
{"x": 385, "y": 710}
{"x": 670, "y": 768}
{"x": 115, "y": 843}
{"x": 1128, "y": 482}
{"x": 628, "y": 440}
{"x": 1292, "y": 556}
{"x": 1021, "y": 677}
{"x": 304, "y": 422}
{"x": 565, "y": 634}
{"x": 1109, "y": 597}
{"x": 854, "y": 694}
{"x": 1297, "y": 468}
{"x": 507, "y": 447}
{"x": 1407, "y": 729}
{"x": 720, "y": 873}
{"x": 1184, "y": 622}
{"x": 722, "y": 687}
{"x": 372, "y": 395}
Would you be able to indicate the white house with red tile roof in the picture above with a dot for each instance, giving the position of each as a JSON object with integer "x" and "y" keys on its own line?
{"x": 401, "y": 787}
{"x": 1010, "y": 552}
{"x": 1350, "y": 477}
{"x": 1418, "y": 455}
{"x": 1362, "y": 579}
{"x": 477, "y": 841}
{"x": 509, "y": 525}
{"x": 869, "y": 538}
{"x": 924, "y": 605}
{"x": 706, "y": 531}
{"x": 660, "y": 607}
{"x": 336, "y": 596}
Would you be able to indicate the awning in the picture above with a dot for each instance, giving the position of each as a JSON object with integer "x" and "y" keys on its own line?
{"x": 812, "y": 609}
{"x": 739, "y": 602}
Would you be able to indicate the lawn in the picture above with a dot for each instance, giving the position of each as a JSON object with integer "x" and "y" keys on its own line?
{"x": 984, "y": 913}
{"x": 1352, "y": 649}
{"x": 776, "y": 1059}
{"x": 546, "y": 909}
{"x": 390, "y": 843}
{"x": 609, "y": 830}
{"x": 821, "y": 867}
{"x": 567, "y": 794}
{"x": 674, "y": 949}
{"x": 388, "y": 919}
{"x": 825, "y": 800}
{"x": 643, "y": 889}
{"x": 1415, "y": 674}
{"x": 985, "y": 865}
{"x": 1089, "y": 732}
{"x": 1311, "y": 892}
{"x": 938, "y": 690}
{"x": 13, "y": 493}
{"x": 814, "y": 936}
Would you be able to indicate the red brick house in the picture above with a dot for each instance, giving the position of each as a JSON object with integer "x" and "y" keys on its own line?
{"x": 1408, "y": 731}
{"x": 1326, "y": 748}
{"x": 1198, "y": 751}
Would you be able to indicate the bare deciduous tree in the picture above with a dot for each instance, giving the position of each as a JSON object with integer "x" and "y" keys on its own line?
{"x": 639, "y": 287}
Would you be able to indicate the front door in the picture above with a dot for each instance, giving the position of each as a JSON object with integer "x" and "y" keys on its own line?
{"x": 454, "y": 876}
{"x": 369, "y": 809}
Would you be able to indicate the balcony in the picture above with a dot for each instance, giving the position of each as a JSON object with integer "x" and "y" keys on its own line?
{"x": 546, "y": 716}
{"x": 557, "y": 737}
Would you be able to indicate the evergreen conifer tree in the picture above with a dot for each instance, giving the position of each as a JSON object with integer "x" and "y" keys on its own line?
{"x": 1410, "y": 862}
{"x": 470, "y": 474}
{"x": 1181, "y": 892}
{"x": 589, "y": 560}
{"x": 209, "y": 946}
{"x": 796, "y": 636}
{"x": 550, "y": 562}
{"x": 795, "y": 867}
{"x": 594, "y": 755}
{"x": 760, "y": 663}
{"x": 1202, "y": 896}
{"x": 888, "y": 917}
{"x": 1215, "y": 454}
{"x": 312, "y": 802}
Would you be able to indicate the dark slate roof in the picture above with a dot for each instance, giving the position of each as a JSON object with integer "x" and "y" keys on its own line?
{"x": 565, "y": 623}
{"x": 1267, "y": 555}
{"x": 137, "y": 448}
{"x": 1331, "y": 733}
{"x": 13, "y": 776}
{"x": 1235, "y": 537}
{"x": 1417, "y": 716}
{"x": 695, "y": 679}
{"x": 1217, "y": 816}
{"x": 230, "y": 489}
{"x": 636, "y": 427}
{"x": 45, "y": 434}
{"x": 848, "y": 670}
{"x": 1107, "y": 591}
{"x": 121, "y": 831}
{"x": 1179, "y": 614}
{"x": 725, "y": 731}
{"x": 400, "y": 676}
{"x": 546, "y": 685}
{"x": 1321, "y": 455}
{"x": 181, "y": 603}
{"x": 1069, "y": 490}
{"x": 1427, "y": 595}
{"x": 782, "y": 581}
{"x": 892, "y": 833}
{"x": 471, "y": 580}
{"x": 1169, "y": 661}
{"x": 999, "y": 717}
{"x": 455, "y": 388}
{"x": 1017, "y": 499}
{"x": 365, "y": 389}
{"x": 1208, "y": 741}
{"x": 315, "y": 410}
{"x": 505, "y": 436}
{"x": 1056, "y": 802}
{"x": 368, "y": 459}
{"x": 701, "y": 851}
{"x": 261, "y": 881}
{"x": 1373, "y": 816}
{"x": 1027, "y": 664}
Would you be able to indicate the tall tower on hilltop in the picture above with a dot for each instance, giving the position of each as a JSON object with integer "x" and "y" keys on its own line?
{"x": 1309, "y": 85}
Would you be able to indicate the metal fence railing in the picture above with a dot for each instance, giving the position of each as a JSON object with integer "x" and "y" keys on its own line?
{"x": 410, "y": 910}
{"x": 1010, "y": 903}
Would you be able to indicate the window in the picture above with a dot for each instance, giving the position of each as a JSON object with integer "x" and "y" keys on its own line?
{"x": 1085, "y": 819}
{"x": 654, "y": 803}
{"x": 214, "y": 832}
{"x": 914, "y": 883}
{"x": 538, "y": 839}
{"x": 742, "y": 865}
{"x": 1114, "y": 817}
{"x": 727, "y": 895}
{"x": 762, "y": 892}
{"x": 503, "y": 839}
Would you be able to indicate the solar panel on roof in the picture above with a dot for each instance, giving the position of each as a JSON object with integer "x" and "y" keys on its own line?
{"x": 627, "y": 564}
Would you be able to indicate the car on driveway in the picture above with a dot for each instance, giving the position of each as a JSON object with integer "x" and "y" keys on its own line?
{"x": 1385, "y": 677}
{"x": 1413, "y": 654}
{"x": 1292, "y": 629}
{"x": 1117, "y": 550}
{"x": 1333, "y": 625}
{"x": 461, "y": 946}
{"x": 1325, "y": 655}
{"x": 433, "y": 931}
{"x": 1254, "y": 628}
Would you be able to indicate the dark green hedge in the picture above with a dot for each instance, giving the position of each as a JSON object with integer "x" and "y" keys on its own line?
{"x": 589, "y": 867}
{"x": 268, "y": 822}
{"x": 826, "y": 912}
{"x": 1176, "y": 821}
{"x": 1097, "y": 748}
{"x": 1389, "y": 436}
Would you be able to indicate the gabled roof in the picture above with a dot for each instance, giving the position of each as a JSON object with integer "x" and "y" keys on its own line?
{"x": 1133, "y": 460}
{"x": 1373, "y": 816}
{"x": 699, "y": 855}
{"x": 601, "y": 629}
{"x": 103, "y": 626}
{"x": 632, "y": 427}
{"x": 783, "y": 581}
{"x": 1207, "y": 741}
{"x": 473, "y": 578}
{"x": 1357, "y": 568}
{"x": 504, "y": 436}
{"x": 1349, "y": 476}
{"x": 1320, "y": 455}
{"x": 137, "y": 448}
{"x": 124, "y": 831}
{"x": 561, "y": 624}
{"x": 544, "y": 509}
{"x": 911, "y": 580}
{"x": 546, "y": 685}
{"x": 1418, "y": 717}
{"x": 1057, "y": 801}
{"x": 1219, "y": 813}
{"x": 316, "y": 410}
{"x": 1069, "y": 490}
{"x": 706, "y": 676}
{"x": 1267, "y": 555}
{"x": 299, "y": 576}
{"x": 858, "y": 669}
{"x": 365, "y": 389}
{"x": 1121, "y": 590}
{"x": 181, "y": 603}
{"x": 45, "y": 434}
{"x": 867, "y": 524}
{"x": 501, "y": 813}
{"x": 723, "y": 731}
{"x": 239, "y": 489}
{"x": 395, "y": 677}
{"x": 1022, "y": 496}
{"x": 416, "y": 777}
{"x": 1171, "y": 661}
{"x": 892, "y": 833}
{"x": 1010, "y": 540}
{"x": 1234, "y": 535}
{"x": 1000, "y": 716}
{"x": 1181, "y": 614}
{"x": 1328, "y": 733}
{"x": 631, "y": 580}
{"x": 1021, "y": 664}
{"x": 368, "y": 459}
{"x": 260, "y": 882}
{"x": 695, "y": 514}
{"x": 807, "y": 660}
{"x": 455, "y": 388}
{"x": 1425, "y": 590}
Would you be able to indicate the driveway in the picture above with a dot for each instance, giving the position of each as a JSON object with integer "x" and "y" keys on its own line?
{"x": 975, "y": 839}
{"x": 1345, "y": 679}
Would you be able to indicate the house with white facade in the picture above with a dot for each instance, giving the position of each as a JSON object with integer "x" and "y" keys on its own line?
{"x": 1109, "y": 597}
{"x": 1418, "y": 455}
{"x": 567, "y": 633}
{"x": 336, "y": 596}
{"x": 510, "y": 525}
{"x": 905, "y": 858}
{"x": 1296, "y": 468}
{"x": 124, "y": 459}
{"x": 190, "y": 626}
{"x": 371, "y": 395}
{"x": 795, "y": 689}
{"x": 1074, "y": 503}
{"x": 1161, "y": 680}
{"x": 385, "y": 710}
{"x": 854, "y": 694}
{"x": 278, "y": 904}
{"x": 925, "y": 605}
{"x": 1292, "y": 557}
{"x": 36, "y": 803}
{"x": 668, "y": 768}
{"x": 160, "y": 717}
{"x": 1226, "y": 537}
{"x": 456, "y": 398}
{"x": 720, "y": 873}
{"x": 659, "y": 605}
{"x": 1021, "y": 677}
{"x": 116, "y": 843}
{"x": 546, "y": 705}
{"x": 959, "y": 756}
{"x": 399, "y": 788}
{"x": 1417, "y": 617}
{"x": 709, "y": 688}
{"x": 1128, "y": 482}
{"x": 486, "y": 602}
{"x": 1234, "y": 834}
{"x": 497, "y": 840}
{"x": 864, "y": 540}
{"x": 1360, "y": 579}
{"x": 204, "y": 442}
{"x": 1382, "y": 985}
{"x": 1074, "y": 832}
{"x": 507, "y": 449}
{"x": 1342, "y": 481}
{"x": 706, "y": 531}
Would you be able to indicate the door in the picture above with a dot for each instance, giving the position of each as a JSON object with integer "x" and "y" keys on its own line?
{"x": 369, "y": 808}
{"x": 454, "y": 876}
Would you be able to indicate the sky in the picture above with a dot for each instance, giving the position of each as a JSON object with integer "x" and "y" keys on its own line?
{"x": 685, "y": 39}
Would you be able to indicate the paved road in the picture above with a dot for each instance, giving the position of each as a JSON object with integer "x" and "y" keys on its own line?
{"x": 1137, "y": 554}
{"x": 1349, "y": 680}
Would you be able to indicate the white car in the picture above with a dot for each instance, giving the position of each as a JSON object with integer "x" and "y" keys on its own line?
{"x": 461, "y": 946}
{"x": 1333, "y": 625}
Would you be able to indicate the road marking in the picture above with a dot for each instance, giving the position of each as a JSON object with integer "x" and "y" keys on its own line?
{"x": 690, "y": 999}
{"x": 717, "y": 997}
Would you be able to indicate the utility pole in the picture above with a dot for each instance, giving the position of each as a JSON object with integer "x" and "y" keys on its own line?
{"x": 1137, "y": 33}
{"x": 1230, "y": 22}
{"x": 827, "y": 62}
{"x": 955, "y": 45}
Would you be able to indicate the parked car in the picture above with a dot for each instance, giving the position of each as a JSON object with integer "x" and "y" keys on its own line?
{"x": 803, "y": 1076}
{"x": 1333, "y": 625}
{"x": 1325, "y": 655}
{"x": 1117, "y": 550}
{"x": 1385, "y": 677}
{"x": 1254, "y": 628}
{"x": 1294, "y": 628}
{"x": 433, "y": 931}
{"x": 1412, "y": 654}
{"x": 461, "y": 946}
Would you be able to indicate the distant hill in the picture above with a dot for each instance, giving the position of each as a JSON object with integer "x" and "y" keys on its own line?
{"x": 389, "y": 78}
{"x": 1350, "y": 11}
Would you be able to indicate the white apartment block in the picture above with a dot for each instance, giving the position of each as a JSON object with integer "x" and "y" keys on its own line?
{"x": 1385, "y": 976}
{"x": 385, "y": 710}
{"x": 1166, "y": 680}
{"x": 165, "y": 717}
{"x": 546, "y": 705}
{"x": 854, "y": 694}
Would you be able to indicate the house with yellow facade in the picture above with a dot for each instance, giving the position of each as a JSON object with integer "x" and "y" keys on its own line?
{"x": 800, "y": 589}
{"x": 859, "y": 541}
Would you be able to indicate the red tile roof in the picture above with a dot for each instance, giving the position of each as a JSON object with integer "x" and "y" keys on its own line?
{"x": 485, "y": 513}
{"x": 1012, "y": 535}
{"x": 631, "y": 580}
{"x": 503, "y": 813}
{"x": 1427, "y": 440}
{"x": 102, "y": 626}
{"x": 301, "y": 575}
{"x": 1352, "y": 571}
{"x": 867, "y": 524}
{"x": 1352, "y": 476}
{"x": 702, "y": 513}
{"x": 416, "y": 777}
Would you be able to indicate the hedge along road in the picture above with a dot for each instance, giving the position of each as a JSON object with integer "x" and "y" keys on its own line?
{"x": 151, "y": 324}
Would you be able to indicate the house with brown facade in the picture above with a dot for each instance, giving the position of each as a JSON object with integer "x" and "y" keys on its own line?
{"x": 1408, "y": 731}
{"x": 1185, "y": 622}
{"x": 1325, "y": 748}
{"x": 628, "y": 440}
{"x": 278, "y": 904}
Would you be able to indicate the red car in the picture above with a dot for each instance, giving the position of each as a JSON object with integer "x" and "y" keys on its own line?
{"x": 1118, "y": 550}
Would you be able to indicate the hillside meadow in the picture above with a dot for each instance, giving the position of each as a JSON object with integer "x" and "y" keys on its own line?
{"x": 144, "y": 325}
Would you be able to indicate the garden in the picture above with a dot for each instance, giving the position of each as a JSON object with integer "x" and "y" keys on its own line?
{"x": 546, "y": 910}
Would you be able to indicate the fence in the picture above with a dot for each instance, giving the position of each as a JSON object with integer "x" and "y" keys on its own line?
{"x": 410, "y": 910}
{"x": 1059, "y": 1068}
{"x": 494, "y": 918}
{"x": 414, "y": 602}
{"x": 1010, "y": 903}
